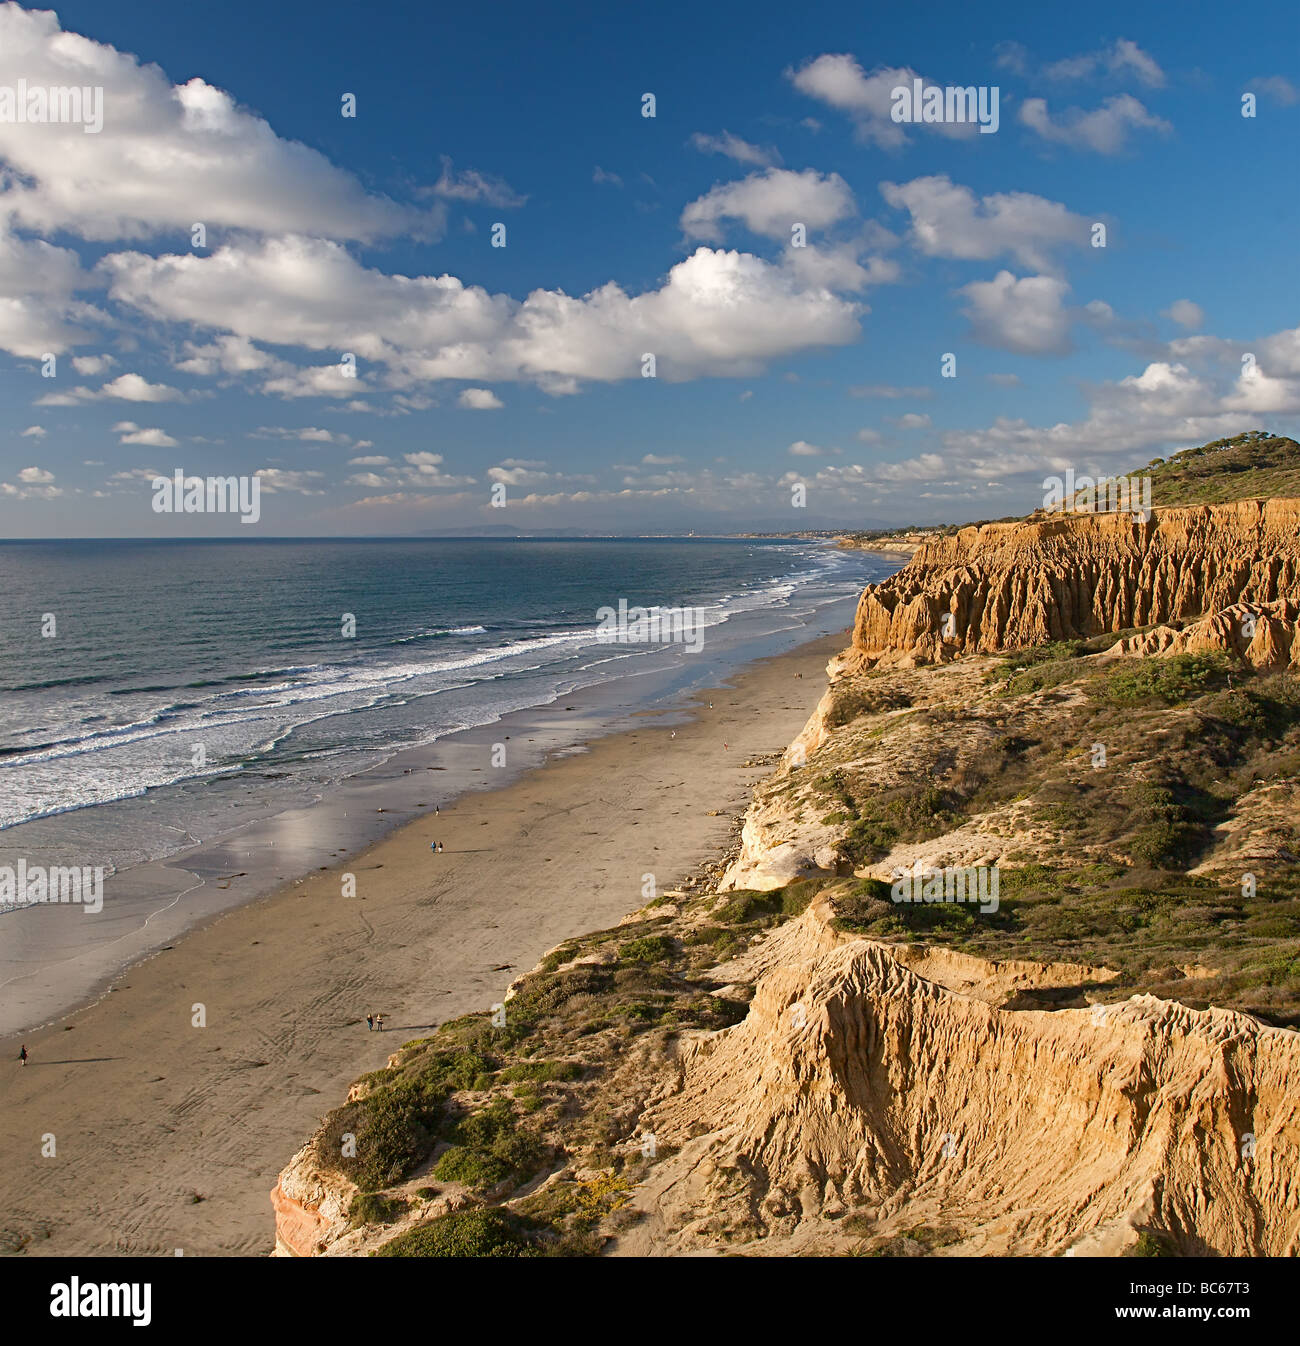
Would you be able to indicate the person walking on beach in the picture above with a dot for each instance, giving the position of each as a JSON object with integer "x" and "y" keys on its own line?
{"x": 370, "y": 1023}
{"x": 379, "y": 1022}
{"x": 22, "y": 1055}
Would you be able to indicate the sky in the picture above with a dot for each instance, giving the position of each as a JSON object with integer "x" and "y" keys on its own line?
{"x": 501, "y": 295}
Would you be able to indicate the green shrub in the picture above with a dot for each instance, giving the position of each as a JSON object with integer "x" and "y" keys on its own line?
{"x": 915, "y": 814}
{"x": 1039, "y": 667}
{"x": 477, "y": 1171}
{"x": 835, "y": 784}
{"x": 542, "y": 1072}
{"x": 867, "y": 906}
{"x": 936, "y": 917}
{"x": 851, "y": 702}
{"x": 923, "y": 813}
{"x": 647, "y": 949}
{"x": 719, "y": 938}
{"x": 397, "y": 1127}
{"x": 779, "y": 903}
{"x": 1134, "y": 682}
{"x": 489, "y": 1147}
{"x": 1151, "y": 1245}
{"x": 869, "y": 839}
{"x": 1052, "y": 652}
{"x": 1171, "y": 830}
{"x": 1042, "y": 677}
{"x": 398, "y": 1123}
{"x": 374, "y": 1208}
{"x": 575, "y": 1243}
{"x": 1266, "y": 710}
{"x": 484, "y": 1232}
{"x": 546, "y": 995}
{"x": 1166, "y": 845}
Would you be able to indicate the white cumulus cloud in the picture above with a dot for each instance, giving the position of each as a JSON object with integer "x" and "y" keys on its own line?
{"x": 1027, "y": 315}
{"x": 1104, "y": 130}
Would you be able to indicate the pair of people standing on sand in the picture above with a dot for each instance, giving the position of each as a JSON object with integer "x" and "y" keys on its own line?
{"x": 435, "y": 845}
{"x": 375, "y": 1022}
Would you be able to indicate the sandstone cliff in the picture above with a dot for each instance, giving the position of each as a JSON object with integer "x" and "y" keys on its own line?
{"x": 856, "y": 1086}
{"x": 787, "y": 1062}
{"x": 886, "y": 1088}
{"x": 904, "y": 1097}
{"x": 1260, "y": 634}
{"x": 1009, "y": 585}
{"x": 311, "y": 1208}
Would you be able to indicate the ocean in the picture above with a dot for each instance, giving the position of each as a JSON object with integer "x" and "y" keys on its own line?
{"x": 165, "y": 703}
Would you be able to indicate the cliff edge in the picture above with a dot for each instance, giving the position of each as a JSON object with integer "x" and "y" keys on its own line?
{"x": 1003, "y": 586}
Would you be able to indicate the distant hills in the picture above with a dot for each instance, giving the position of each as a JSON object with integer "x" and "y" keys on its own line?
{"x": 1253, "y": 464}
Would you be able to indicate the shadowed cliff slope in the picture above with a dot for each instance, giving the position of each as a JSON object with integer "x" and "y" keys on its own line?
{"x": 857, "y": 1088}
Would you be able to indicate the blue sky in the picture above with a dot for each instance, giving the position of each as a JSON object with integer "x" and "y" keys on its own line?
{"x": 521, "y": 366}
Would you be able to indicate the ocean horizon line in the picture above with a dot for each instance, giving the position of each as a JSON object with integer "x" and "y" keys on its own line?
{"x": 440, "y": 537}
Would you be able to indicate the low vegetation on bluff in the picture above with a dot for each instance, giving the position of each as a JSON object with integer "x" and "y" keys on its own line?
{"x": 1254, "y": 464}
{"x": 1142, "y": 814}
{"x": 510, "y": 1134}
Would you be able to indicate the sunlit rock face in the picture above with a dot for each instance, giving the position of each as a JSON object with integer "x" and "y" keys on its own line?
{"x": 1006, "y": 586}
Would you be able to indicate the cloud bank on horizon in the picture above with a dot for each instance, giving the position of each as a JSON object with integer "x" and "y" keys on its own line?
{"x": 709, "y": 294}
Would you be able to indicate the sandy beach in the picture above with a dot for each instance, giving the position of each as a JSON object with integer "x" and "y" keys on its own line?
{"x": 168, "y": 1136}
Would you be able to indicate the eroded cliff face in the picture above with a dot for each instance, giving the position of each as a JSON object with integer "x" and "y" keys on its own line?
{"x": 310, "y": 1208}
{"x": 792, "y": 830}
{"x": 1263, "y": 635}
{"x": 893, "y": 1087}
{"x": 857, "y": 1085}
{"x": 1009, "y": 585}
{"x": 892, "y": 1094}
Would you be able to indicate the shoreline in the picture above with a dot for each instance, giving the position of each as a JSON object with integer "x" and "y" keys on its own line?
{"x": 53, "y": 964}
{"x": 148, "y": 1117}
